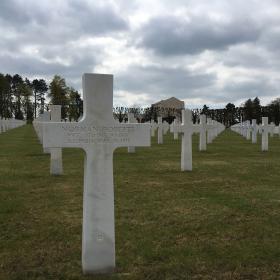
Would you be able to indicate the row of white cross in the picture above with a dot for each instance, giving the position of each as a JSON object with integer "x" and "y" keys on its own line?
{"x": 207, "y": 130}
{"x": 99, "y": 135}
{"x": 7, "y": 124}
{"x": 250, "y": 130}
{"x": 54, "y": 115}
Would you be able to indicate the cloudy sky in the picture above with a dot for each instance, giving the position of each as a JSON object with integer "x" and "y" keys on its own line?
{"x": 201, "y": 51}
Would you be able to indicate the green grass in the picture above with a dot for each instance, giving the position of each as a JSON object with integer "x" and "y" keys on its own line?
{"x": 221, "y": 221}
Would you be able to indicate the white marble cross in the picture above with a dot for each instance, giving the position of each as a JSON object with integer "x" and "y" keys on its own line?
{"x": 56, "y": 167}
{"x": 173, "y": 128}
{"x": 7, "y": 124}
{"x": 264, "y": 129}
{"x": 254, "y": 131}
{"x": 202, "y": 135}
{"x": 153, "y": 127}
{"x": 187, "y": 128}
{"x": 271, "y": 129}
{"x": 210, "y": 132}
{"x": 243, "y": 131}
{"x": 131, "y": 119}
{"x": 165, "y": 127}
{"x": 160, "y": 131}
{"x": 99, "y": 135}
{"x": 46, "y": 117}
{"x": 248, "y": 130}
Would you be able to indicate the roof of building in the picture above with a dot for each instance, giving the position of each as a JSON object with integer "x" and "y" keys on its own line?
{"x": 170, "y": 102}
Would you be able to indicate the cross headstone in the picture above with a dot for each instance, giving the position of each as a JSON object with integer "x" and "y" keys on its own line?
{"x": 254, "y": 131}
{"x": 271, "y": 129}
{"x": 153, "y": 127}
{"x": 202, "y": 134}
{"x": 174, "y": 125}
{"x": 187, "y": 128}
{"x": 186, "y": 149}
{"x": 264, "y": 128}
{"x": 160, "y": 131}
{"x": 99, "y": 135}
{"x": 56, "y": 167}
{"x": 46, "y": 117}
{"x": 210, "y": 137}
{"x": 165, "y": 127}
{"x": 131, "y": 119}
{"x": 248, "y": 130}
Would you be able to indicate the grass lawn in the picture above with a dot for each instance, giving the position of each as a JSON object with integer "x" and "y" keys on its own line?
{"x": 221, "y": 221}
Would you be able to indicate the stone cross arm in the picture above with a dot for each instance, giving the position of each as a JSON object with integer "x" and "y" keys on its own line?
{"x": 83, "y": 134}
{"x": 97, "y": 126}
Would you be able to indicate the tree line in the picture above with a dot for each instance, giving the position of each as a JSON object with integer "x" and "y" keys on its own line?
{"x": 230, "y": 115}
{"x": 22, "y": 98}
{"x": 250, "y": 109}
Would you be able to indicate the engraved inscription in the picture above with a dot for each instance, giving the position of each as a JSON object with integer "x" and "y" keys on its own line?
{"x": 100, "y": 237}
{"x": 93, "y": 134}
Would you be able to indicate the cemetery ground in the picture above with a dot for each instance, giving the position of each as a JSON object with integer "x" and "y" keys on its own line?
{"x": 220, "y": 221}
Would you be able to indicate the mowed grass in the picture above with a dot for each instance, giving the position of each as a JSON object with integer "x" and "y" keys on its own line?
{"x": 221, "y": 221}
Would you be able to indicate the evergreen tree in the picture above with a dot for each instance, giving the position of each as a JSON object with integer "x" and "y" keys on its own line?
{"x": 4, "y": 97}
{"x": 274, "y": 111}
{"x": 248, "y": 110}
{"x": 230, "y": 115}
{"x": 59, "y": 94}
{"x": 75, "y": 104}
{"x": 16, "y": 90}
{"x": 26, "y": 92}
{"x": 257, "y": 110}
{"x": 40, "y": 88}
{"x": 8, "y": 108}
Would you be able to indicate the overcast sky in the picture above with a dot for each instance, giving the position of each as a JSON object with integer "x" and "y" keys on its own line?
{"x": 201, "y": 51}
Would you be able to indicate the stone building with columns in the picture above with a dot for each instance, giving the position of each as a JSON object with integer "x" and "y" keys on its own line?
{"x": 169, "y": 108}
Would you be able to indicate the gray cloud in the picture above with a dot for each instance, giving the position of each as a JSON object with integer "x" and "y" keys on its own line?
{"x": 30, "y": 66}
{"x": 13, "y": 13}
{"x": 163, "y": 81}
{"x": 69, "y": 37}
{"x": 95, "y": 19}
{"x": 169, "y": 35}
{"x": 250, "y": 89}
{"x": 56, "y": 22}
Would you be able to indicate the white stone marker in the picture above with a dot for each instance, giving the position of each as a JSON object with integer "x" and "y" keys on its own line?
{"x": 210, "y": 132}
{"x": 202, "y": 134}
{"x": 175, "y": 132}
{"x": 153, "y": 127}
{"x": 186, "y": 149}
{"x": 56, "y": 167}
{"x": 248, "y": 130}
{"x": 165, "y": 127}
{"x": 187, "y": 128}
{"x": 264, "y": 134}
{"x": 254, "y": 131}
{"x": 160, "y": 131}
{"x": 271, "y": 129}
{"x": 131, "y": 119}
{"x": 99, "y": 135}
{"x": 46, "y": 117}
